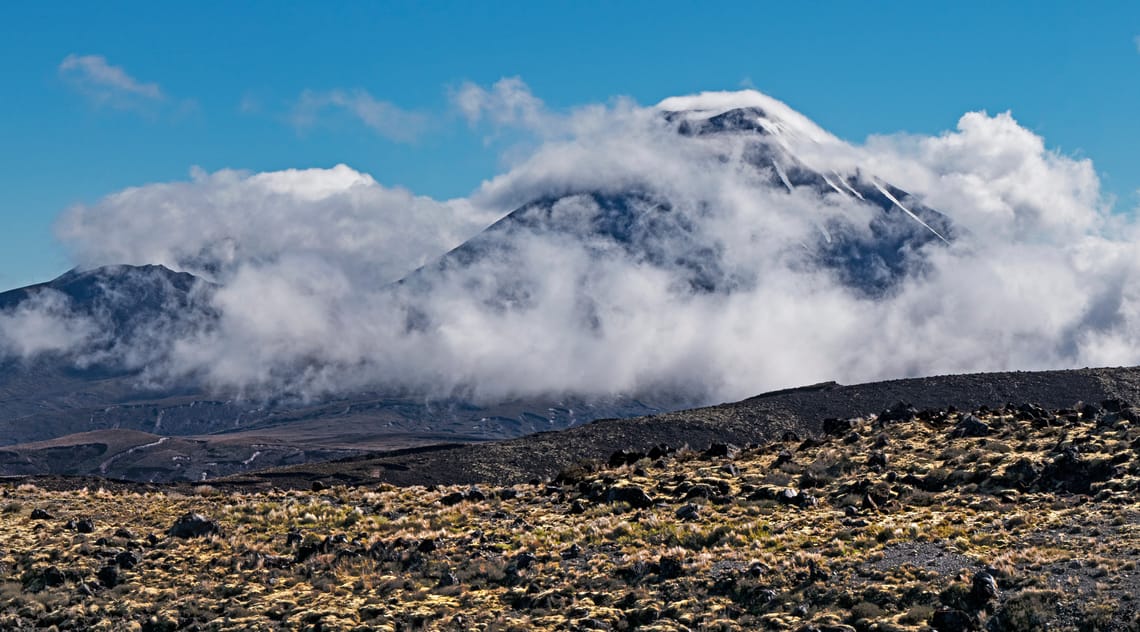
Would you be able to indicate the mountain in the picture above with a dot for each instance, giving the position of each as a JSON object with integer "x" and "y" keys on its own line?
{"x": 70, "y": 409}
{"x": 128, "y": 302}
{"x": 646, "y": 226}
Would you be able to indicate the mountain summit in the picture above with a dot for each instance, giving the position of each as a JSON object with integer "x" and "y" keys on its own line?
{"x": 870, "y": 234}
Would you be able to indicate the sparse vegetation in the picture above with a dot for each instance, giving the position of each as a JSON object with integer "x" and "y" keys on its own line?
{"x": 883, "y": 526}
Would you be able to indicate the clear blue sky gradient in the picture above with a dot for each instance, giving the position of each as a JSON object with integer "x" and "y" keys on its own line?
{"x": 1070, "y": 71}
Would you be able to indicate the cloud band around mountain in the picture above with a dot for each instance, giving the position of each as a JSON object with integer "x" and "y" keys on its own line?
{"x": 1044, "y": 274}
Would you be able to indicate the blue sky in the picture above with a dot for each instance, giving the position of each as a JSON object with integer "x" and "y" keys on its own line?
{"x": 102, "y": 96}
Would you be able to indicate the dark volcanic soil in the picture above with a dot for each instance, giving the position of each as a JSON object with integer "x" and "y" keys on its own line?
{"x": 1002, "y": 519}
{"x": 758, "y": 419}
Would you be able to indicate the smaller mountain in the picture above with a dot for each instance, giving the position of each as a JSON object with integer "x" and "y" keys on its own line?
{"x": 90, "y": 411}
{"x": 126, "y": 301}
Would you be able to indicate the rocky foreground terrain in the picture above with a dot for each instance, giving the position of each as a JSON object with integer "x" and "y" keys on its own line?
{"x": 1015, "y": 518}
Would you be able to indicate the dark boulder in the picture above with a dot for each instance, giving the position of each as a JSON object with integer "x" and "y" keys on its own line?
{"x": 625, "y": 457}
{"x": 688, "y": 511}
{"x": 312, "y": 545}
{"x": 631, "y": 494}
{"x": 785, "y": 456}
{"x": 721, "y": 451}
{"x": 660, "y": 450}
{"x": 700, "y": 490}
{"x": 951, "y": 620}
{"x": 833, "y": 426}
{"x": 50, "y": 576}
{"x": 1075, "y": 474}
{"x": 1022, "y": 474}
{"x": 452, "y": 499}
{"x": 983, "y": 591}
{"x": 83, "y": 525}
{"x": 877, "y": 459}
{"x": 507, "y": 493}
{"x": 109, "y": 576}
{"x": 524, "y": 560}
{"x": 127, "y": 560}
{"x": 639, "y": 617}
{"x": 1115, "y": 405}
{"x": 636, "y": 572}
{"x": 970, "y": 426}
{"x": 193, "y": 525}
{"x": 476, "y": 495}
{"x": 796, "y": 498}
{"x": 40, "y": 514}
{"x": 900, "y": 411}
{"x": 669, "y": 567}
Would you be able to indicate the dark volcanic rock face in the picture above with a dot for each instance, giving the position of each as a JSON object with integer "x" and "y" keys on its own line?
{"x": 638, "y": 225}
{"x": 126, "y": 301}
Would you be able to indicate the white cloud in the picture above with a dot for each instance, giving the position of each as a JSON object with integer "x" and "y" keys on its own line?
{"x": 44, "y": 324}
{"x": 1043, "y": 275}
{"x": 998, "y": 176}
{"x": 218, "y": 221}
{"x": 382, "y": 117}
{"x": 107, "y": 85}
{"x": 250, "y": 104}
{"x": 509, "y": 102}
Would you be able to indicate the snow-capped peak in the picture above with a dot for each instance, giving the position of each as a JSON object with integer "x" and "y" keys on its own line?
{"x": 773, "y": 115}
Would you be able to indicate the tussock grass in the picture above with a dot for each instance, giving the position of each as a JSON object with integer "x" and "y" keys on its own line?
{"x": 876, "y": 547}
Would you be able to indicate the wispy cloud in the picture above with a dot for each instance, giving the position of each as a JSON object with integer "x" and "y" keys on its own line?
{"x": 107, "y": 85}
{"x": 382, "y": 117}
{"x": 250, "y": 104}
{"x": 509, "y": 103}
